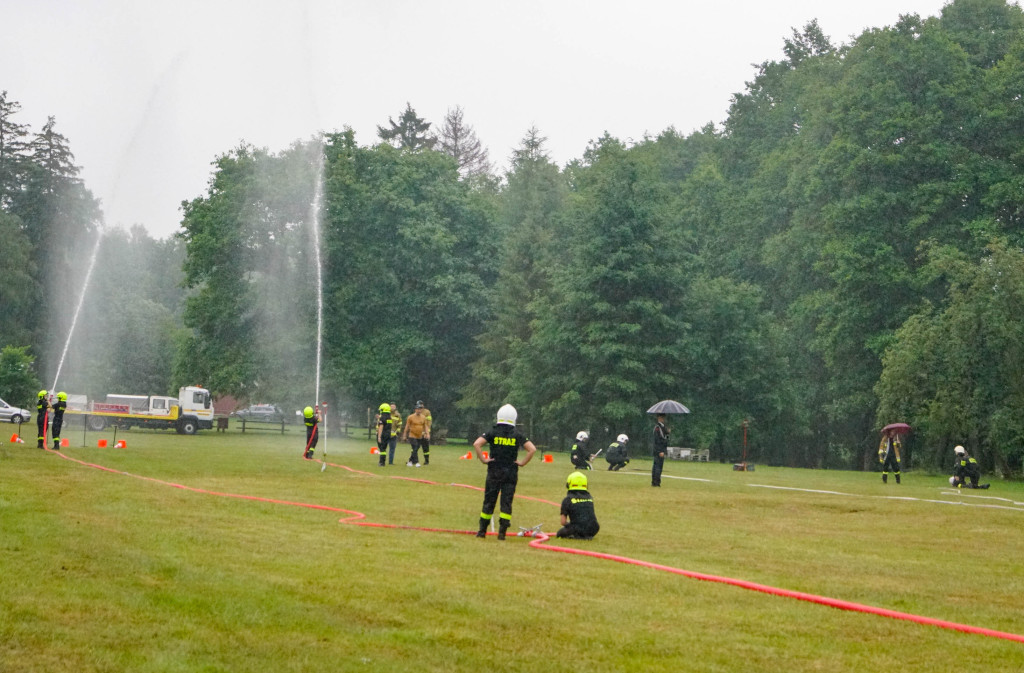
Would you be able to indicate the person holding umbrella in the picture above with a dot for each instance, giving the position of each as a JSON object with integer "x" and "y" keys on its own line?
{"x": 889, "y": 455}
{"x": 889, "y": 450}
{"x": 661, "y": 433}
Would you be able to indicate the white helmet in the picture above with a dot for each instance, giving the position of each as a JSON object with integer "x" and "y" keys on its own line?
{"x": 507, "y": 415}
{"x": 622, "y": 439}
{"x": 959, "y": 449}
{"x": 582, "y": 436}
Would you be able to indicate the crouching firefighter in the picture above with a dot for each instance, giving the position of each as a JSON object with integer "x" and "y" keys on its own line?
{"x": 502, "y": 467}
{"x": 311, "y": 417}
{"x": 578, "y": 518}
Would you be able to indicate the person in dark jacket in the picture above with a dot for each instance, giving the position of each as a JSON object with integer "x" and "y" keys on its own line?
{"x": 58, "y": 418}
{"x": 383, "y": 433}
{"x": 578, "y": 519}
{"x": 616, "y": 454}
{"x": 502, "y": 467}
{"x": 661, "y": 433}
{"x": 965, "y": 470}
{"x": 579, "y": 455}
{"x": 42, "y": 418}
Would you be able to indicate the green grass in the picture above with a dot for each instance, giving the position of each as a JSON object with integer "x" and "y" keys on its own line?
{"x": 102, "y": 571}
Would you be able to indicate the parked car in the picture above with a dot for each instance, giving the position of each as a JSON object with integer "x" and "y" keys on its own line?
{"x": 269, "y": 413}
{"x": 14, "y": 414}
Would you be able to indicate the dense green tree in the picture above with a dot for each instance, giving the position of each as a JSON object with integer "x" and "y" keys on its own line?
{"x": 19, "y": 382}
{"x": 18, "y": 289}
{"x": 410, "y": 132}
{"x": 14, "y": 141}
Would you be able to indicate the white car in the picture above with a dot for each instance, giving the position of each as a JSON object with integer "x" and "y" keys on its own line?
{"x": 14, "y": 414}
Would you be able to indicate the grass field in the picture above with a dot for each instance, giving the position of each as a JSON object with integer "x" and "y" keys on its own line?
{"x": 119, "y": 570}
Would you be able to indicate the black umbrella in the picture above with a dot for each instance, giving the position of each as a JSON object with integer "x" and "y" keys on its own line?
{"x": 668, "y": 407}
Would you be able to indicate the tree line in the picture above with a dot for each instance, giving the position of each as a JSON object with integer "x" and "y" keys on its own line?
{"x": 841, "y": 253}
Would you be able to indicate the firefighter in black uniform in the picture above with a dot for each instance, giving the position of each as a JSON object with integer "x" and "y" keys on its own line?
{"x": 660, "y": 448}
{"x": 966, "y": 468}
{"x": 616, "y": 454}
{"x": 578, "y": 519}
{"x": 311, "y": 417}
{"x": 41, "y": 418}
{"x": 502, "y": 467}
{"x": 383, "y": 433}
{"x": 579, "y": 455}
{"x": 58, "y": 419}
{"x": 889, "y": 455}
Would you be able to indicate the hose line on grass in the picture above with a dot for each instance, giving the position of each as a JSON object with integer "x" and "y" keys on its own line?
{"x": 539, "y": 541}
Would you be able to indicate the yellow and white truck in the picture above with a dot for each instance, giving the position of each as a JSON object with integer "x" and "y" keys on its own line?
{"x": 189, "y": 412}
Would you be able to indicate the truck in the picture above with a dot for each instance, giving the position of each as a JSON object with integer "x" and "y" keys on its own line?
{"x": 187, "y": 413}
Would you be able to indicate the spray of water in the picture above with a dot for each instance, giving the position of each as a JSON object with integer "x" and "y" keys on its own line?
{"x": 318, "y": 195}
{"x": 78, "y": 308}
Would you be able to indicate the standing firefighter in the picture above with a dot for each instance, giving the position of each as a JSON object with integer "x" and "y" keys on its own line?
{"x": 383, "y": 432}
{"x": 396, "y": 427}
{"x": 58, "y": 418}
{"x": 425, "y": 440}
{"x": 578, "y": 518}
{"x": 42, "y": 417}
{"x": 311, "y": 417}
{"x": 889, "y": 455}
{"x": 502, "y": 467}
{"x": 965, "y": 470}
{"x": 579, "y": 455}
{"x": 415, "y": 428}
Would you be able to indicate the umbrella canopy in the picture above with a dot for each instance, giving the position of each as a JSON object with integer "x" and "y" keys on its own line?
{"x": 668, "y": 407}
{"x": 898, "y": 428}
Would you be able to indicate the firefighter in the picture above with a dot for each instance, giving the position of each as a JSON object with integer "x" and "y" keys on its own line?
{"x": 578, "y": 519}
{"x": 579, "y": 455}
{"x": 415, "y": 428}
{"x": 616, "y": 454}
{"x": 383, "y": 432}
{"x": 889, "y": 455}
{"x": 396, "y": 427}
{"x": 311, "y": 417}
{"x": 58, "y": 418}
{"x": 42, "y": 405}
{"x": 502, "y": 467}
{"x": 965, "y": 468}
{"x": 425, "y": 440}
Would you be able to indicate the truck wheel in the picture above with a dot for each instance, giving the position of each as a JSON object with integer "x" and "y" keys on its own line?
{"x": 188, "y": 426}
{"x": 97, "y": 423}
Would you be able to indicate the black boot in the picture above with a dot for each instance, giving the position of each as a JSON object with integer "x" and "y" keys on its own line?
{"x": 483, "y": 528}
{"x": 56, "y": 445}
{"x": 426, "y": 458}
{"x": 885, "y": 477}
{"x": 39, "y": 444}
{"x": 502, "y": 528}
{"x": 897, "y": 478}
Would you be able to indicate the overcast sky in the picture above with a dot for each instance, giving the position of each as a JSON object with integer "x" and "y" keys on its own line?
{"x": 150, "y": 93}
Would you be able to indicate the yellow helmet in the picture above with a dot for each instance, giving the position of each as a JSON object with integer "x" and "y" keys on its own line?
{"x": 308, "y": 412}
{"x": 62, "y": 396}
{"x": 385, "y": 408}
{"x": 42, "y": 393}
{"x": 577, "y": 481}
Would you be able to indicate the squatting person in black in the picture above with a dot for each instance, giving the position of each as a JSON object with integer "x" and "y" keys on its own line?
{"x": 578, "y": 518}
{"x": 502, "y": 467}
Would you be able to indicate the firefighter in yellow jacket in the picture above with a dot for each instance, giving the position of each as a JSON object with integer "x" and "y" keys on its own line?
{"x": 889, "y": 455}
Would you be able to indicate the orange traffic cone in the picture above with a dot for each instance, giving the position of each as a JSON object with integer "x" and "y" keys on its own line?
{"x": 15, "y": 438}
{"x": 121, "y": 444}
{"x": 65, "y": 442}
{"x": 468, "y": 456}
{"x": 102, "y": 444}
{"x": 374, "y": 450}
{"x": 548, "y": 458}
